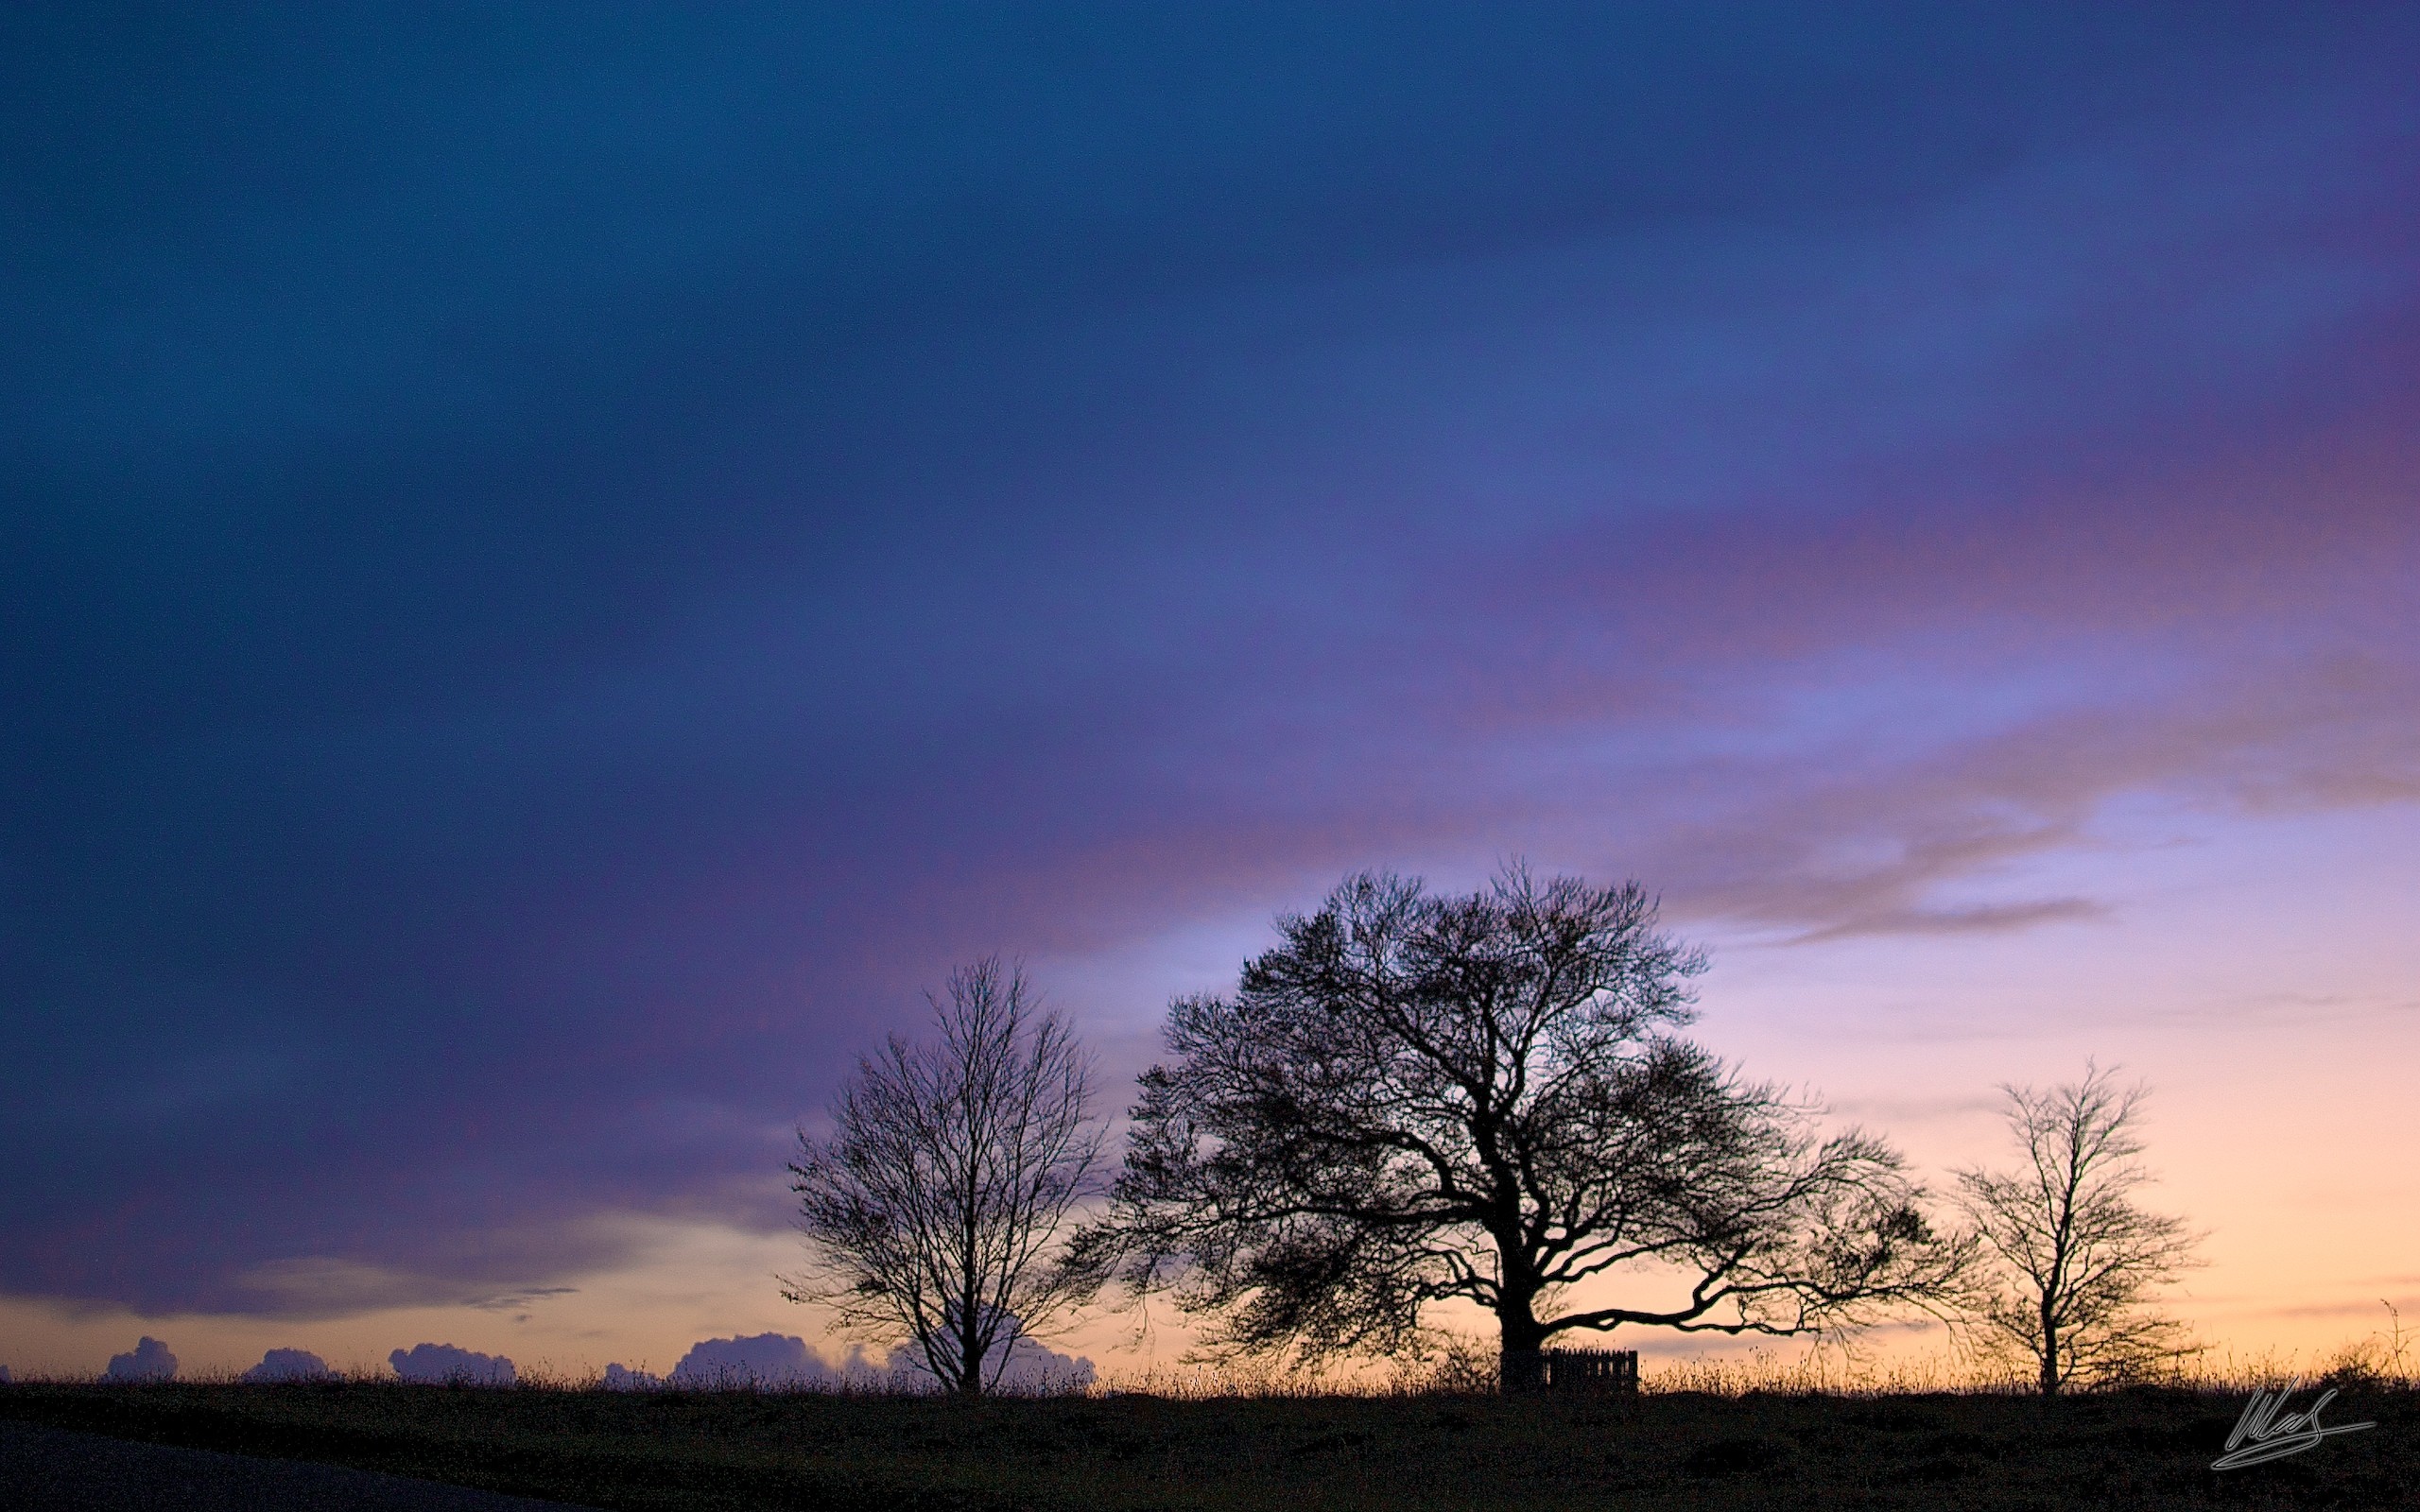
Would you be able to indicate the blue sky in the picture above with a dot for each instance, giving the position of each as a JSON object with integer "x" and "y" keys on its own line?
{"x": 556, "y": 565}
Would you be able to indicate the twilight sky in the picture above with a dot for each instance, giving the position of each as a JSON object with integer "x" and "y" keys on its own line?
{"x": 556, "y": 565}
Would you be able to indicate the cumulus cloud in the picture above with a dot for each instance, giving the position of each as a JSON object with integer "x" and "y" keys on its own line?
{"x": 763, "y": 1361}
{"x": 1032, "y": 1369}
{"x": 288, "y": 1365}
{"x": 4, "y": 1375}
{"x": 444, "y": 1365}
{"x": 148, "y": 1361}
{"x": 781, "y": 1362}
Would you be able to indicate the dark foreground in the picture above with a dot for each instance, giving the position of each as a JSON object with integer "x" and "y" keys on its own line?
{"x": 732, "y": 1449}
{"x": 53, "y": 1469}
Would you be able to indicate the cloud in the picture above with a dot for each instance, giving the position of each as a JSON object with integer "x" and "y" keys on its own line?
{"x": 148, "y": 1361}
{"x": 4, "y": 1375}
{"x": 327, "y": 1286}
{"x": 1032, "y": 1369}
{"x": 780, "y": 1362}
{"x": 1867, "y": 846}
{"x": 619, "y": 1377}
{"x": 2359, "y": 1307}
{"x": 1029, "y": 1367}
{"x": 519, "y": 1302}
{"x": 772, "y": 1362}
{"x": 289, "y": 1364}
{"x": 1984, "y": 918}
{"x": 446, "y": 1364}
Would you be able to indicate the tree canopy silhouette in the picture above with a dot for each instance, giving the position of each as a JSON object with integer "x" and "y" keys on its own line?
{"x": 1415, "y": 1098}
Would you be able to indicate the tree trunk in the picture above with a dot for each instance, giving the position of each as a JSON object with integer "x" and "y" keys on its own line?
{"x": 970, "y": 1353}
{"x": 2050, "y": 1354}
{"x": 1521, "y": 1368}
{"x": 970, "y": 1380}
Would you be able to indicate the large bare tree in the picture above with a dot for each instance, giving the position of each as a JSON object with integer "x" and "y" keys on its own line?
{"x": 1416, "y": 1098}
{"x": 2071, "y": 1261}
{"x": 935, "y": 1210}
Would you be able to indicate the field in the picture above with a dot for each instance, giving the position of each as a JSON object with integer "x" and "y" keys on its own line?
{"x": 2146, "y": 1448}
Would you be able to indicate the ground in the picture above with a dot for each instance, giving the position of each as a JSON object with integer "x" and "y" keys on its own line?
{"x": 2149, "y": 1449}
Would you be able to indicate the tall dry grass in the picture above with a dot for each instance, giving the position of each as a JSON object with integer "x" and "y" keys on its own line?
{"x": 2388, "y": 1358}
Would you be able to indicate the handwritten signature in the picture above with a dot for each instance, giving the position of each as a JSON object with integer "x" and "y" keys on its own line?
{"x": 2261, "y": 1435}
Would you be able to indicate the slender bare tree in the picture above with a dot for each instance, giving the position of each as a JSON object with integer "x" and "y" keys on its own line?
{"x": 1414, "y": 1099}
{"x": 2071, "y": 1263}
{"x": 934, "y": 1211}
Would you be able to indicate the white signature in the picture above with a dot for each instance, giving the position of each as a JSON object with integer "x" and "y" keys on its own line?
{"x": 2264, "y": 1436}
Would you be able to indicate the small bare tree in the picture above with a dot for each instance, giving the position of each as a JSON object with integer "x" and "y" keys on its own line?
{"x": 934, "y": 1210}
{"x": 2071, "y": 1263}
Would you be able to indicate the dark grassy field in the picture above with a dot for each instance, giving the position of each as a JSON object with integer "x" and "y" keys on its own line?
{"x": 732, "y": 1449}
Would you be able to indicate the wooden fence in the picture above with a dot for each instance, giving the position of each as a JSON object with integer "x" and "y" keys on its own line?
{"x": 1581, "y": 1370}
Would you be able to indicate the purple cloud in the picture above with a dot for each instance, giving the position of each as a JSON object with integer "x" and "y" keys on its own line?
{"x": 1032, "y": 1370}
{"x": 780, "y": 1362}
{"x": 289, "y": 1364}
{"x": 148, "y": 1361}
{"x": 768, "y": 1362}
{"x": 444, "y": 1365}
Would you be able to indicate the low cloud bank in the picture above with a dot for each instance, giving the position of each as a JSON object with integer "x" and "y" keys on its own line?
{"x": 150, "y": 1360}
{"x": 766, "y": 1362}
{"x": 438, "y": 1364}
{"x": 783, "y": 1362}
{"x": 288, "y": 1365}
{"x": 1032, "y": 1369}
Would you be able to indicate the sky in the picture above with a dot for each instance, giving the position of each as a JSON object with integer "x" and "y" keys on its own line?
{"x": 559, "y": 566}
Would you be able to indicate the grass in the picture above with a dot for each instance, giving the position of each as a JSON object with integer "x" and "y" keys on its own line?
{"x": 2144, "y": 1448}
